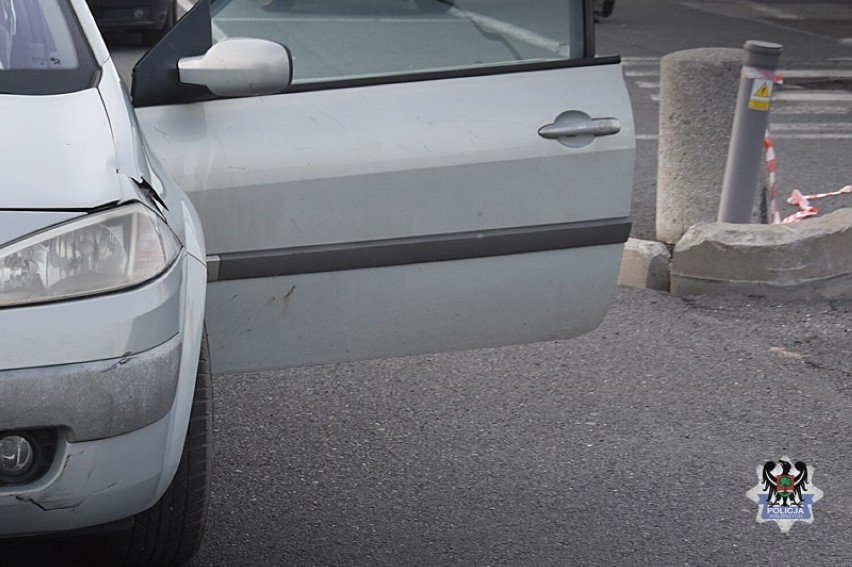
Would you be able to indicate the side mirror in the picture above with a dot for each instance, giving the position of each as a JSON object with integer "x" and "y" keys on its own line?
{"x": 240, "y": 67}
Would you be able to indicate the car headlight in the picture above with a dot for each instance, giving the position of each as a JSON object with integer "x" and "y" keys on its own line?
{"x": 98, "y": 253}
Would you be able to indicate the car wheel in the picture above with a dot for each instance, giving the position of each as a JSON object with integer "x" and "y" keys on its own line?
{"x": 150, "y": 37}
{"x": 276, "y": 4}
{"x": 434, "y": 6}
{"x": 169, "y": 533}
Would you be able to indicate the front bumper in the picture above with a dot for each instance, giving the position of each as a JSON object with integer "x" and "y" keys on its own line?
{"x": 112, "y": 376}
{"x": 93, "y": 400}
{"x": 90, "y": 483}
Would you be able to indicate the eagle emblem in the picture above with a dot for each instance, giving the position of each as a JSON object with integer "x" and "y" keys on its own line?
{"x": 785, "y": 492}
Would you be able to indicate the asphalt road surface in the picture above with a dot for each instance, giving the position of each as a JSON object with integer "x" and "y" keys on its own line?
{"x": 633, "y": 445}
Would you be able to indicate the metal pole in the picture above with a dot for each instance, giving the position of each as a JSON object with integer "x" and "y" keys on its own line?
{"x": 757, "y": 79}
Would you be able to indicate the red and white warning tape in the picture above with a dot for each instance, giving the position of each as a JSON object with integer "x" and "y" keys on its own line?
{"x": 770, "y": 167}
{"x": 758, "y": 73}
{"x": 804, "y": 203}
{"x": 806, "y": 209}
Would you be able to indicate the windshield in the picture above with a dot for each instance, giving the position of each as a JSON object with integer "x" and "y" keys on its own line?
{"x": 334, "y": 40}
{"x": 42, "y": 49}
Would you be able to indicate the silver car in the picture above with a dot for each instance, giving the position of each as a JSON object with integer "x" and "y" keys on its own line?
{"x": 369, "y": 190}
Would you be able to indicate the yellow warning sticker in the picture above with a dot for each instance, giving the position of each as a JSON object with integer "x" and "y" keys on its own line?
{"x": 761, "y": 93}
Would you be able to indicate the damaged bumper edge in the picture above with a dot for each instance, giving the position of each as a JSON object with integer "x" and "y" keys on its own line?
{"x": 93, "y": 400}
{"x": 91, "y": 483}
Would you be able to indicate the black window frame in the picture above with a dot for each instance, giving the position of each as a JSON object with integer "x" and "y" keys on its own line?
{"x": 156, "y": 80}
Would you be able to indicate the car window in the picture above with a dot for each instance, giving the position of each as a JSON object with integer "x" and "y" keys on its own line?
{"x": 340, "y": 40}
{"x": 42, "y": 49}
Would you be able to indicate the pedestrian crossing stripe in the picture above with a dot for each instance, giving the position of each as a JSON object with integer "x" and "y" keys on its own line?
{"x": 761, "y": 92}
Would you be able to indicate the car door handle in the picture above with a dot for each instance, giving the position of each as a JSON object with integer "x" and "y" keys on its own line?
{"x": 591, "y": 127}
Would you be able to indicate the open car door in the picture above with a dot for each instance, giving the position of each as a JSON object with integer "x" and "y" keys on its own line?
{"x": 406, "y": 177}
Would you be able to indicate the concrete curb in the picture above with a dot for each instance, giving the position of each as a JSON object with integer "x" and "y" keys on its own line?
{"x": 783, "y": 261}
{"x": 809, "y": 259}
{"x": 646, "y": 264}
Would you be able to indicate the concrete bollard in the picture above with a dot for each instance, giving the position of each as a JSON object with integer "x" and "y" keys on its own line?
{"x": 698, "y": 96}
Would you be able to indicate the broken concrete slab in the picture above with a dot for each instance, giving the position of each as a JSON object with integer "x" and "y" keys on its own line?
{"x": 784, "y": 261}
{"x": 645, "y": 264}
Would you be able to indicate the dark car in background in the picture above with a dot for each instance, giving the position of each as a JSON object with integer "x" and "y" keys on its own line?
{"x": 152, "y": 17}
{"x": 603, "y": 8}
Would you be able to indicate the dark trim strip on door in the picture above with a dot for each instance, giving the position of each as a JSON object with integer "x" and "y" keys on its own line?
{"x": 416, "y": 249}
{"x": 308, "y": 86}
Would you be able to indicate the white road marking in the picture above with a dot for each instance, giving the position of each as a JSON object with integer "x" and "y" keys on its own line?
{"x": 639, "y": 60}
{"x": 821, "y": 127}
{"x": 781, "y": 136}
{"x": 831, "y": 136}
{"x": 650, "y": 73}
{"x": 772, "y": 12}
{"x": 786, "y": 73}
{"x": 817, "y": 74}
{"x": 837, "y": 96}
{"x": 793, "y": 110}
{"x": 648, "y": 84}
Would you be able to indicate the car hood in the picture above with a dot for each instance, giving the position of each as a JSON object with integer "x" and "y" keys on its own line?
{"x": 58, "y": 153}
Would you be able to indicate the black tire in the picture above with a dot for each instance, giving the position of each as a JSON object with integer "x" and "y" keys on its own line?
{"x": 434, "y": 6}
{"x": 276, "y": 4}
{"x": 150, "y": 37}
{"x": 169, "y": 533}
